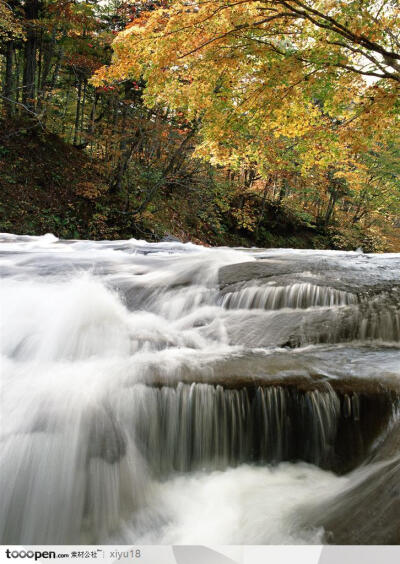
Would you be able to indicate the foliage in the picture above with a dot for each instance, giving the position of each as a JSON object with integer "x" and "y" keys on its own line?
{"x": 10, "y": 25}
{"x": 302, "y": 92}
{"x": 268, "y": 123}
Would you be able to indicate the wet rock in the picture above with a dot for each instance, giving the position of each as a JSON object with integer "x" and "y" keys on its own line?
{"x": 255, "y": 270}
{"x": 168, "y": 238}
{"x": 367, "y": 512}
{"x": 285, "y": 270}
{"x": 292, "y": 328}
{"x": 106, "y": 439}
{"x": 389, "y": 444}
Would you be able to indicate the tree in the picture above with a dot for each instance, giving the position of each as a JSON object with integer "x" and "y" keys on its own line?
{"x": 11, "y": 32}
{"x": 286, "y": 86}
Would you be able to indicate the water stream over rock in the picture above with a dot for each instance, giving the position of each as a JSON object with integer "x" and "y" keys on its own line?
{"x": 170, "y": 393}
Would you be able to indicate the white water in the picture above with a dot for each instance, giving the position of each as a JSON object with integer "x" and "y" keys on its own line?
{"x": 245, "y": 505}
{"x": 91, "y": 454}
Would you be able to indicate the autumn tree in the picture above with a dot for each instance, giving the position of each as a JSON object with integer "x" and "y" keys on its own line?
{"x": 288, "y": 87}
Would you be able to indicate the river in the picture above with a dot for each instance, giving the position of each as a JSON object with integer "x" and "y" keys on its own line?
{"x": 159, "y": 393}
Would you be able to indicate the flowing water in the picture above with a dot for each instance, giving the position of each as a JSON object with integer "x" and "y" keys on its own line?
{"x": 170, "y": 393}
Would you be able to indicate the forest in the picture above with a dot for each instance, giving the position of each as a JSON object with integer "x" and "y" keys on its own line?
{"x": 245, "y": 123}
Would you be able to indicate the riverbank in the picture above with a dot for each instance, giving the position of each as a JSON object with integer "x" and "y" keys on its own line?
{"x": 47, "y": 185}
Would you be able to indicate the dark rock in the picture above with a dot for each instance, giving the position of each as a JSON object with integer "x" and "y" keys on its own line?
{"x": 168, "y": 238}
{"x": 106, "y": 439}
{"x": 389, "y": 445}
{"x": 367, "y": 512}
{"x": 289, "y": 269}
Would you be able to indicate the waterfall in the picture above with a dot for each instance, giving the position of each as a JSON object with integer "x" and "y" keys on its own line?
{"x": 140, "y": 379}
{"x": 200, "y": 426}
{"x": 294, "y": 296}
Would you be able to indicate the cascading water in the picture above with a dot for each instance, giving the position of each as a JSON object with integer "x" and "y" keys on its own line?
{"x": 293, "y": 296}
{"x": 170, "y": 393}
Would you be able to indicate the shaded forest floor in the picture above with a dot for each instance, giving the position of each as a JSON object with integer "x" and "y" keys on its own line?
{"x": 48, "y": 186}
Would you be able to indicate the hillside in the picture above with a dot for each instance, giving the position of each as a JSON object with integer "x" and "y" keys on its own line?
{"x": 48, "y": 185}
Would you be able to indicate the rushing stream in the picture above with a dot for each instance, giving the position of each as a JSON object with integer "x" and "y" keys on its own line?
{"x": 170, "y": 393}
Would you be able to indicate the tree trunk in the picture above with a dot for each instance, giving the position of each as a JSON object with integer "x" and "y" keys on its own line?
{"x": 167, "y": 170}
{"x": 262, "y": 210}
{"x": 77, "y": 113}
{"x": 83, "y": 104}
{"x": 48, "y": 52}
{"x": 39, "y": 65}
{"x": 125, "y": 153}
{"x": 66, "y": 102}
{"x": 17, "y": 59}
{"x": 282, "y": 190}
{"x": 28, "y": 95}
{"x": 331, "y": 206}
{"x": 9, "y": 80}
